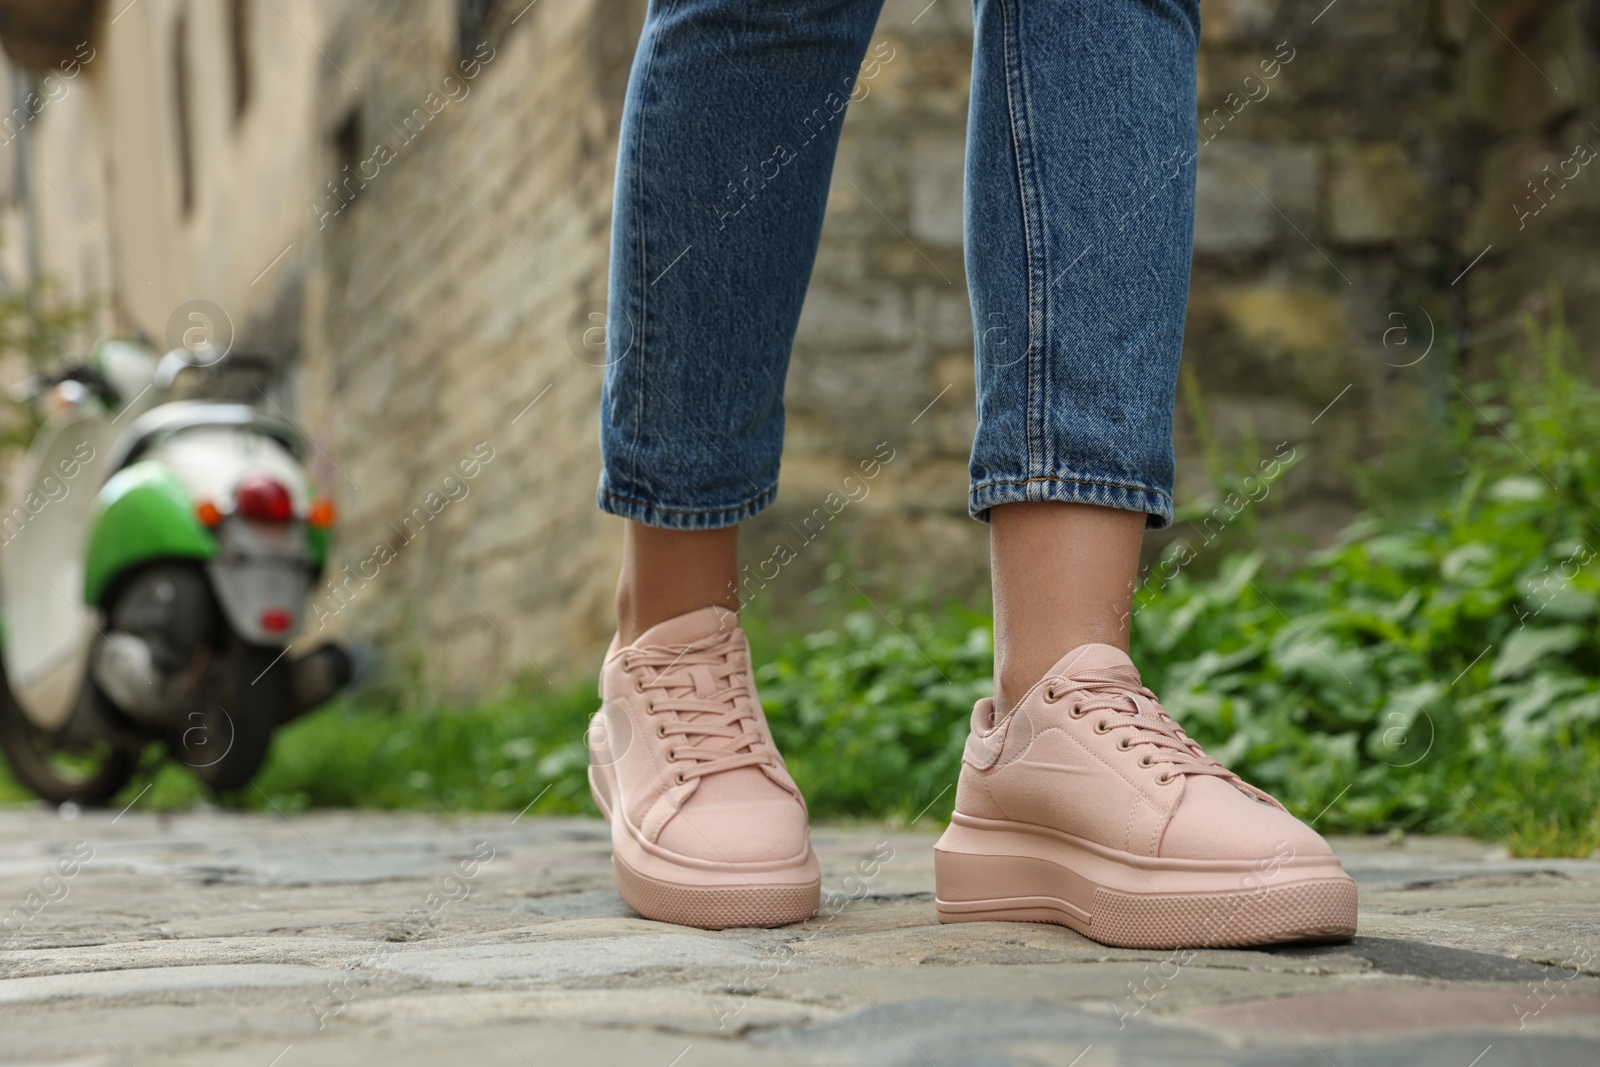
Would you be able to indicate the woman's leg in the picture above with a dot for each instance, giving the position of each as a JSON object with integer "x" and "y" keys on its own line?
{"x": 1080, "y": 801}
{"x": 1080, "y": 210}
{"x": 1063, "y": 577}
{"x": 727, "y": 144}
{"x": 728, "y": 135}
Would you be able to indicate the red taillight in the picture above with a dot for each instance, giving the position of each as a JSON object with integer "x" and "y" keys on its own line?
{"x": 276, "y": 620}
{"x": 263, "y": 499}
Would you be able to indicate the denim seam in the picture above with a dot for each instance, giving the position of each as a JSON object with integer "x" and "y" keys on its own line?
{"x": 643, "y": 289}
{"x": 1021, "y": 142}
{"x": 1163, "y": 494}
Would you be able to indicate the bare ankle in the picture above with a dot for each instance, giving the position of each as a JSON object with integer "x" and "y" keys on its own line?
{"x": 1063, "y": 577}
{"x": 667, "y": 573}
{"x": 633, "y": 619}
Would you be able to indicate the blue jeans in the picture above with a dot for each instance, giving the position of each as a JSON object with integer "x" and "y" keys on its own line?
{"x": 1078, "y": 224}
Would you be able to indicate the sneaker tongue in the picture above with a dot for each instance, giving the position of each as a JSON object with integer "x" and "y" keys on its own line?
{"x": 690, "y": 627}
{"x": 1093, "y": 657}
{"x": 686, "y": 629}
{"x": 1107, "y": 660}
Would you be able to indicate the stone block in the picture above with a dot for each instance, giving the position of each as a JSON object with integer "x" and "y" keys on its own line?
{"x": 1363, "y": 19}
{"x": 889, "y": 76}
{"x": 861, "y": 395}
{"x": 1547, "y": 69}
{"x": 1294, "y": 319}
{"x": 1228, "y": 21}
{"x": 155, "y": 982}
{"x": 1374, "y": 195}
{"x": 942, "y": 317}
{"x": 929, "y": 18}
{"x": 1290, "y": 336}
{"x": 860, "y": 318}
{"x": 1452, "y": 21}
{"x": 555, "y": 961}
{"x": 1240, "y": 188}
{"x": 1536, "y": 186}
{"x": 842, "y": 258}
{"x": 935, "y": 168}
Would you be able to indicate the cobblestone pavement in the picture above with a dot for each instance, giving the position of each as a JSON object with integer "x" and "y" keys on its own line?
{"x": 340, "y": 938}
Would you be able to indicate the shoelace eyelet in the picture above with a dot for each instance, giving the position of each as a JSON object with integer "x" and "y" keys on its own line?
{"x": 661, "y": 730}
{"x": 1164, "y": 777}
{"x": 1077, "y": 711}
{"x": 1144, "y": 760}
{"x": 1050, "y": 695}
{"x": 678, "y": 778}
{"x": 672, "y": 755}
{"x": 1123, "y": 745}
{"x": 1102, "y": 726}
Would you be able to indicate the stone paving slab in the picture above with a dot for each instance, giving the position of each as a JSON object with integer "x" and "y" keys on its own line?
{"x": 357, "y": 938}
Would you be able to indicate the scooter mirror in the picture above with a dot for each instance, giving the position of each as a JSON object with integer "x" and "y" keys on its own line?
{"x": 167, "y": 371}
{"x": 179, "y": 359}
{"x": 173, "y": 363}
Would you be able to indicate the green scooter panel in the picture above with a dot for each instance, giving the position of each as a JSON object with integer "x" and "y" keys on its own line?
{"x": 317, "y": 547}
{"x": 143, "y": 512}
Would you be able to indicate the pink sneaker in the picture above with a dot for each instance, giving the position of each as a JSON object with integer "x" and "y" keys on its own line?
{"x": 707, "y": 827}
{"x": 1089, "y": 807}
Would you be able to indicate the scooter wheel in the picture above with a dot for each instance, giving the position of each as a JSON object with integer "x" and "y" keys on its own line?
{"x": 88, "y": 774}
{"x": 248, "y": 691}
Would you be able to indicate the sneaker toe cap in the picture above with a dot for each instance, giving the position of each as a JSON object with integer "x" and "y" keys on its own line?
{"x": 1216, "y": 821}
{"x": 757, "y": 822}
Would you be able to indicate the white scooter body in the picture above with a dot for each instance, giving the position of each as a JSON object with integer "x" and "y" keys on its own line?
{"x": 258, "y": 569}
{"x": 260, "y": 574}
{"x": 49, "y": 630}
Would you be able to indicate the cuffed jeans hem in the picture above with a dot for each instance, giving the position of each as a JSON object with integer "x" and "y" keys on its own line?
{"x": 671, "y": 518}
{"x": 1073, "y": 490}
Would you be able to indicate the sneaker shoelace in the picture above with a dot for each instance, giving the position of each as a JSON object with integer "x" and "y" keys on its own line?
{"x": 704, "y": 689}
{"x": 1130, "y": 706}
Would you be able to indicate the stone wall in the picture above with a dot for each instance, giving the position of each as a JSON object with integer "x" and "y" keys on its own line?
{"x": 1363, "y": 210}
{"x": 1353, "y": 164}
{"x": 1362, "y": 201}
{"x": 438, "y": 321}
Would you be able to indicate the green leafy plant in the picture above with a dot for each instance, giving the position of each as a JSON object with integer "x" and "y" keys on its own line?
{"x": 1436, "y": 672}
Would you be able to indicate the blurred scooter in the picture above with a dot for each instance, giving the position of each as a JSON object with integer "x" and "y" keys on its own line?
{"x": 156, "y": 568}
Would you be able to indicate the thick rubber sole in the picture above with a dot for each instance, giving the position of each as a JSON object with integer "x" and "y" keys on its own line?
{"x": 706, "y": 895}
{"x": 716, "y": 907}
{"x": 988, "y": 871}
